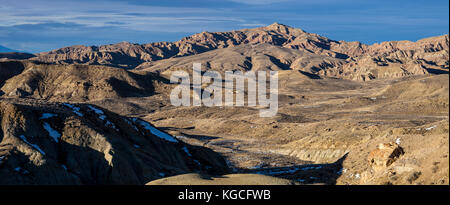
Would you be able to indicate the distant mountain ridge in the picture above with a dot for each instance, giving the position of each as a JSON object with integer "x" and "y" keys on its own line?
{"x": 127, "y": 55}
{"x": 356, "y": 60}
{"x": 16, "y": 56}
{"x": 6, "y": 50}
{"x": 7, "y": 53}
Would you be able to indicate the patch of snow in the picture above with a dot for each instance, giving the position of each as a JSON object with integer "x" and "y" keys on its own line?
{"x": 53, "y": 133}
{"x": 271, "y": 172}
{"x": 397, "y": 141}
{"x": 430, "y": 128}
{"x": 102, "y": 116}
{"x": 185, "y": 149}
{"x": 74, "y": 108}
{"x": 373, "y": 98}
{"x": 64, "y": 167}
{"x": 111, "y": 125}
{"x": 256, "y": 167}
{"x": 155, "y": 131}
{"x": 131, "y": 124}
{"x": 20, "y": 170}
{"x": 197, "y": 162}
{"x": 229, "y": 164}
{"x": 96, "y": 110}
{"x": 47, "y": 115}
{"x": 343, "y": 170}
{"x": 99, "y": 112}
{"x": 22, "y": 137}
{"x": 289, "y": 171}
{"x": 181, "y": 137}
{"x": 357, "y": 176}
{"x": 307, "y": 168}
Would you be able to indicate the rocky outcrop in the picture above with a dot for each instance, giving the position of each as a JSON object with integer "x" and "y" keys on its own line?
{"x": 42, "y": 143}
{"x": 72, "y": 82}
{"x": 384, "y": 155}
{"x": 396, "y": 59}
{"x": 245, "y": 58}
{"x": 315, "y": 155}
{"x": 10, "y": 69}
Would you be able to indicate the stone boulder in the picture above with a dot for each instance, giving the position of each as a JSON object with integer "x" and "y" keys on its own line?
{"x": 384, "y": 155}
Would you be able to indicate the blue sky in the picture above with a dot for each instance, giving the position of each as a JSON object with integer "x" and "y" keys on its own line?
{"x": 43, "y": 25}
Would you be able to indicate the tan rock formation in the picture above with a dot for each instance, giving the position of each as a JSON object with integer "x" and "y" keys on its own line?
{"x": 384, "y": 155}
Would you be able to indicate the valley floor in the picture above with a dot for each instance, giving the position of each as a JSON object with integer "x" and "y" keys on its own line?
{"x": 324, "y": 130}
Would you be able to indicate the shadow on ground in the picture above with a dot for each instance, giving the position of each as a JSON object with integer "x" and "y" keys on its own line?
{"x": 305, "y": 174}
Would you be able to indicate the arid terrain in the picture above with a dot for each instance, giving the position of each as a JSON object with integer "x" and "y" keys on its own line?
{"x": 349, "y": 113}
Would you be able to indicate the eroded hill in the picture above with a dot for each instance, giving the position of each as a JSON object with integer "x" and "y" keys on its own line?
{"x": 72, "y": 82}
{"x": 62, "y": 143}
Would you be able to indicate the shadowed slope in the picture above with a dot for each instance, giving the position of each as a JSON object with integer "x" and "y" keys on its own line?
{"x": 75, "y": 82}
{"x": 44, "y": 143}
